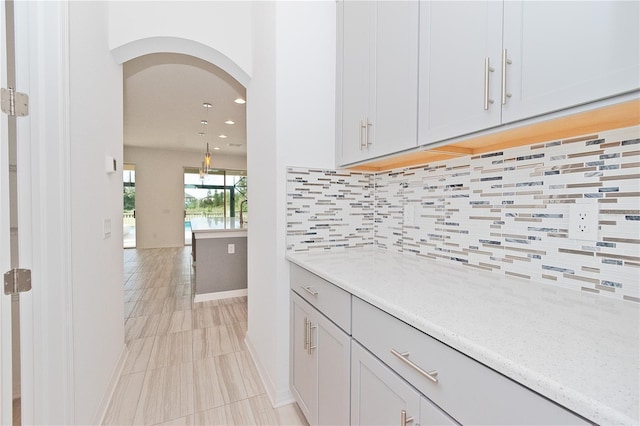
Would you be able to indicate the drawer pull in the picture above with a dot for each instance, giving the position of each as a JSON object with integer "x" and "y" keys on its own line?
{"x": 309, "y": 290}
{"x": 311, "y": 347}
{"x": 404, "y": 357}
{"x": 404, "y": 420}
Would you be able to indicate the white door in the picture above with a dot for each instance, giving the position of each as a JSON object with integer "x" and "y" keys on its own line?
{"x": 354, "y": 37}
{"x": 569, "y": 52}
{"x": 304, "y": 363}
{"x": 378, "y": 395}
{"x": 458, "y": 42}
{"x": 15, "y": 310}
{"x": 334, "y": 360}
{"x": 394, "y": 106}
{"x": 5, "y": 247}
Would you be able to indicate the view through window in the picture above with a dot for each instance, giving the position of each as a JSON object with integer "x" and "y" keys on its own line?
{"x": 221, "y": 196}
{"x": 129, "y": 206}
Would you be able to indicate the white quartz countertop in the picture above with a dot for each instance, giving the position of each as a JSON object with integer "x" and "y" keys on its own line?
{"x": 203, "y": 224}
{"x": 578, "y": 349}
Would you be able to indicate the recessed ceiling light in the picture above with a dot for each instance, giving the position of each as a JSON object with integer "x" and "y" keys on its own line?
{"x": 204, "y": 122}
{"x": 222, "y": 136}
{"x": 201, "y": 134}
{"x": 234, "y": 145}
{"x": 216, "y": 148}
{"x": 206, "y": 104}
{"x": 240, "y": 101}
{"x": 229, "y": 122}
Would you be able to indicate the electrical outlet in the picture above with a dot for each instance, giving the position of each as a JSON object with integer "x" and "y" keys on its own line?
{"x": 231, "y": 248}
{"x": 583, "y": 222}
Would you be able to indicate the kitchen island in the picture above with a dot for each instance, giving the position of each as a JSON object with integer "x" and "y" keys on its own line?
{"x": 220, "y": 247}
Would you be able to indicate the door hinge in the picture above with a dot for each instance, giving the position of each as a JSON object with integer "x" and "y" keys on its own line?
{"x": 15, "y": 104}
{"x": 17, "y": 281}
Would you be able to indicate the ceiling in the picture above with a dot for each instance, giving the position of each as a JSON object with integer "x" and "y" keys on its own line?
{"x": 163, "y": 105}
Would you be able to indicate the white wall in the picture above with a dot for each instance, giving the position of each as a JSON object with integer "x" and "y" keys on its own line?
{"x": 160, "y": 192}
{"x": 290, "y": 121}
{"x": 96, "y": 132}
{"x": 160, "y": 26}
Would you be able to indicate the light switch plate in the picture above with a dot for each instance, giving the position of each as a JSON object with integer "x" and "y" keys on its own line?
{"x": 231, "y": 248}
{"x": 106, "y": 228}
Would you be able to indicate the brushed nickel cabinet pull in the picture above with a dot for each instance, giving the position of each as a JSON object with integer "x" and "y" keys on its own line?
{"x": 363, "y": 127}
{"x": 505, "y": 61}
{"x": 404, "y": 357}
{"x": 311, "y": 346}
{"x": 309, "y": 290}
{"x": 404, "y": 420}
{"x": 306, "y": 333}
{"x": 487, "y": 70}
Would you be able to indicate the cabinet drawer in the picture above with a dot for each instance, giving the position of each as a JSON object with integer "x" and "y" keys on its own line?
{"x": 467, "y": 390}
{"x": 329, "y": 299}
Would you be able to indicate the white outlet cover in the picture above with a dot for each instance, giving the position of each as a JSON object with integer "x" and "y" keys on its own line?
{"x": 584, "y": 221}
{"x": 231, "y": 248}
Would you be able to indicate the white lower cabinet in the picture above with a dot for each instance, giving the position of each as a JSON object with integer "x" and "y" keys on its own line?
{"x": 352, "y": 363}
{"x": 381, "y": 397}
{"x": 320, "y": 357}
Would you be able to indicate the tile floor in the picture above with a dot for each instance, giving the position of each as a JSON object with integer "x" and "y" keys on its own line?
{"x": 187, "y": 363}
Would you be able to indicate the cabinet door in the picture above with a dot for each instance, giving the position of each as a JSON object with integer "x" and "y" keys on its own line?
{"x": 456, "y": 38}
{"x": 334, "y": 357}
{"x": 567, "y": 53}
{"x": 377, "y": 394}
{"x": 431, "y": 415}
{"x": 393, "y": 114}
{"x": 354, "y": 34}
{"x": 304, "y": 372}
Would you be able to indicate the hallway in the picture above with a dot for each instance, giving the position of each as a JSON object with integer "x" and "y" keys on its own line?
{"x": 188, "y": 363}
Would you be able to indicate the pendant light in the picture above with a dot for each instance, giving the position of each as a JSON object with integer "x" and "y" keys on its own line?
{"x": 206, "y": 164}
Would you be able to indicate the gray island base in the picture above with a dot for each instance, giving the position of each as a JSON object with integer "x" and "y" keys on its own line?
{"x": 220, "y": 247}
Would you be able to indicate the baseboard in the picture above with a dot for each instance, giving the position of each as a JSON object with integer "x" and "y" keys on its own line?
{"x": 204, "y": 297}
{"x": 101, "y": 412}
{"x": 277, "y": 399}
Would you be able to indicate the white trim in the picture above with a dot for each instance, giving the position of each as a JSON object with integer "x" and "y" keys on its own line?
{"x": 277, "y": 398}
{"x": 184, "y": 46}
{"x": 204, "y": 297}
{"x": 101, "y": 412}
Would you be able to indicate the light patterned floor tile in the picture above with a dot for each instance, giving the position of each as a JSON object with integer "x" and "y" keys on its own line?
{"x": 208, "y": 317}
{"x": 124, "y": 402}
{"x": 172, "y": 304}
{"x": 217, "y": 382}
{"x": 138, "y": 357}
{"x": 249, "y": 374}
{"x": 148, "y": 307}
{"x": 188, "y": 363}
{"x": 139, "y": 327}
{"x": 167, "y": 393}
{"x": 173, "y": 322}
{"x": 170, "y": 349}
{"x": 214, "y": 341}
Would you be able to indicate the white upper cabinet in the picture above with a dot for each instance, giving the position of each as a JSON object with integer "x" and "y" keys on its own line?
{"x": 568, "y": 53}
{"x": 460, "y": 48}
{"x": 483, "y": 64}
{"x": 377, "y": 78}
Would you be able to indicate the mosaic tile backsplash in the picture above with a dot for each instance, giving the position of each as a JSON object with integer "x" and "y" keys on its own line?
{"x": 505, "y": 212}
